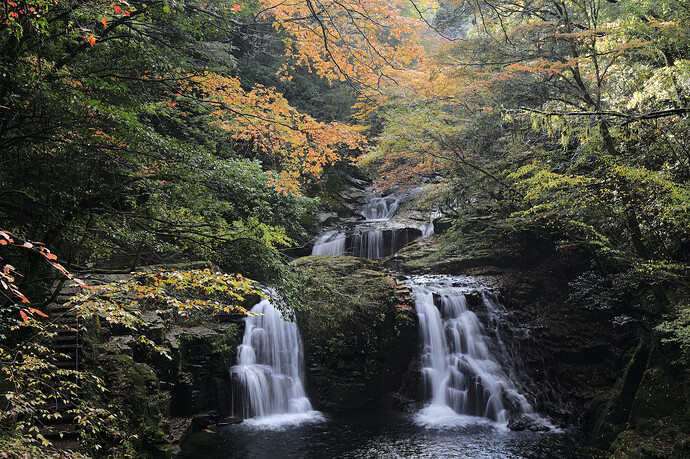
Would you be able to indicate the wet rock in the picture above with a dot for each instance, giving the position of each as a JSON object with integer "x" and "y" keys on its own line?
{"x": 526, "y": 422}
{"x": 359, "y": 332}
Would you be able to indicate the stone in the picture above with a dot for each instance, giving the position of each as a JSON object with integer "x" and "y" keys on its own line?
{"x": 358, "y": 329}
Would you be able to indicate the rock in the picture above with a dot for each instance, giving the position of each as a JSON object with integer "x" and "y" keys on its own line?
{"x": 352, "y": 195}
{"x": 359, "y": 331}
{"x": 532, "y": 423}
{"x": 327, "y": 218}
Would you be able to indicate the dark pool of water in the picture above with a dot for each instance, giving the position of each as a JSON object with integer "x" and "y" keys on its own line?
{"x": 379, "y": 436}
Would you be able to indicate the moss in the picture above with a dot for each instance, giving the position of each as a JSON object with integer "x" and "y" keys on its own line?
{"x": 476, "y": 241}
{"x": 657, "y": 399}
{"x": 359, "y": 336}
{"x": 657, "y": 422}
{"x": 612, "y": 412}
{"x": 227, "y": 341}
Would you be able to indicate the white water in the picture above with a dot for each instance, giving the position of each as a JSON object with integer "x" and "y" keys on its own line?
{"x": 270, "y": 371}
{"x": 461, "y": 373}
{"x": 381, "y": 208}
{"x": 368, "y": 240}
{"x": 331, "y": 243}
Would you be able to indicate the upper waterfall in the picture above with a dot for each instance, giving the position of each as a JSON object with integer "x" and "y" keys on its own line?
{"x": 376, "y": 236}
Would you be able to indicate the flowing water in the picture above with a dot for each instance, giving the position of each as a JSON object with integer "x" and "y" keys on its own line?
{"x": 332, "y": 242}
{"x": 466, "y": 374}
{"x": 470, "y": 379}
{"x": 380, "y": 436}
{"x": 374, "y": 237}
{"x": 267, "y": 380}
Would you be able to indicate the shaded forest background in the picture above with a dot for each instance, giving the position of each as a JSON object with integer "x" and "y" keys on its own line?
{"x": 137, "y": 133}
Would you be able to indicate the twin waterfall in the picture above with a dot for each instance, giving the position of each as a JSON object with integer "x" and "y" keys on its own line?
{"x": 460, "y": 368}
{"x": 465, "y": 367}
{"x": 270, "y": 370}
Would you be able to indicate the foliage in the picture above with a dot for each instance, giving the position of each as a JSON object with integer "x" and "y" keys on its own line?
{"x": 570, "y": 120}
{"x": 129, "y": 135}
{"x": 676, "y": 330}
{"x": 186, "y": 293}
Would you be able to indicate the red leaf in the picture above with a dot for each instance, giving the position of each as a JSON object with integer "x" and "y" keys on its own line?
{"x": 80, "y": 282}
{"x": 24, "y": 316}
{"x": 117, "y": 9}
{"x": 36, "y": 311}
{"x": 50, "y": 256}
{"x": 104, "y": 21}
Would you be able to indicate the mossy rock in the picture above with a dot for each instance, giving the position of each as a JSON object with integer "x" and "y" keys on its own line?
{"x": 359, "y": 331}
{"x": 659, "y": 397}
{"x": 475, "y": 242}
{"x": 612, "y": 411}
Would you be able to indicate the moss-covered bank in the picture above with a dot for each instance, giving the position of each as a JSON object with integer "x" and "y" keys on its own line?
{"x": 359, "y": 329}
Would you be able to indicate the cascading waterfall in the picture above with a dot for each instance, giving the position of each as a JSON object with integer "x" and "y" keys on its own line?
{"x": 378, "y": 208}
{"x": 467, "y": 372}
{"x": 368, "y": 240}
{"x": 331, "y": 243}
{"x": 460, "y": 368}
{"x": 270, "y": 370}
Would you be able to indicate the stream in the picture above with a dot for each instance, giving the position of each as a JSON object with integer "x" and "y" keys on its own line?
{"x": 470, "y": 377}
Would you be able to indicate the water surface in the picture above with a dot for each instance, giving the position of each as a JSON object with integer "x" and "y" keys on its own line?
{"x": 385, "y": 436}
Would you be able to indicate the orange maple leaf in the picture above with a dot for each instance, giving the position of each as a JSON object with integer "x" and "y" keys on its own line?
{"x": 36, "y": 311}
{"x": 236, "y": 8}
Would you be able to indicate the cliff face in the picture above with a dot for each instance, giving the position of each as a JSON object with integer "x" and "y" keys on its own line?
{"x": 359, "y": 330}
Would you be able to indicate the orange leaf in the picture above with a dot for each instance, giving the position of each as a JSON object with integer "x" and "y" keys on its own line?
{"x": 36, "y": 311}
{"x": 50, "y": 256}
{"x": 104, "y": 21}
{"x": 24, "y": 316}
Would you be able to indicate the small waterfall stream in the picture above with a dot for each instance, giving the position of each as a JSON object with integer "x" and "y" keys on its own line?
{"x": 270, "y": 370}
{"x": 466, "y": 371}
{"x": 373, "y": 237}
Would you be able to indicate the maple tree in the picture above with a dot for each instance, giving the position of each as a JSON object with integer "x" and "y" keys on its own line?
{"x": 362, "y": 42}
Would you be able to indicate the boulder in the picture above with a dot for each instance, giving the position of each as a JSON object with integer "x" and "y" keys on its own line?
{"x": 359, "y": 330}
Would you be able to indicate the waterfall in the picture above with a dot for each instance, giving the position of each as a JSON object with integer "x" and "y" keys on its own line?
{"x": 331, "y": 243}
{"x": 377, "y": 208}
{"x": 460, "y": 364}
{"x": 270, "y": 370}
{"x": 379, "y": 235}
